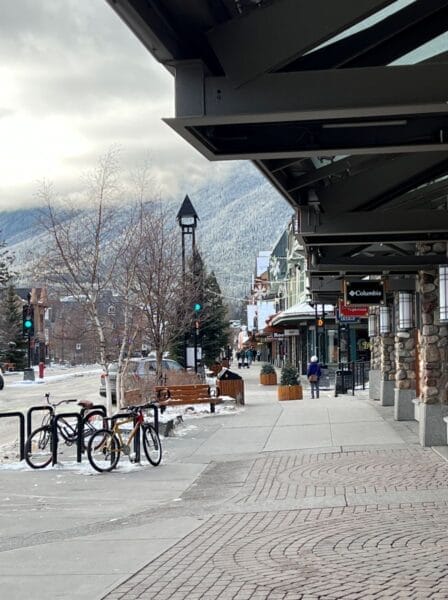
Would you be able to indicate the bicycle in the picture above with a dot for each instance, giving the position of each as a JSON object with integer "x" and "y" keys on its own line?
{"x": 39, "y": 445}
{"x": 106, "y": 445}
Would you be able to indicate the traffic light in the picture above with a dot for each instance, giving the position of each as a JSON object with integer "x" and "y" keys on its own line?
{"x": 197, "y": 307}
{"x": 320, "y": 322}
{"x": 28, "y": 321}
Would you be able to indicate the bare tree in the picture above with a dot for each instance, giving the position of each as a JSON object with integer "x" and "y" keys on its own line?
{"x": 86, "y": 244}
{"x": 159, "y": 284}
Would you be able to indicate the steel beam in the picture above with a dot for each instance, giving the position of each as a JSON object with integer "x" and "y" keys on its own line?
{"x": 245, "y": 46}
{"x": 383, "y": 42}
{"x": 390, "y": 178}
{"x": 367, "y": 266}
{"x": 349, "y": 93}
{"x": 372, "y": 224}
{"x": 286, "y": 115}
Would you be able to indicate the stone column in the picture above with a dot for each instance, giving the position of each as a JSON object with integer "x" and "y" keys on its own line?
{"x": 375, "y": 362}
{"x": 433, "y": 356}
{"x": 405, "y": 376}
{"x": 387, "y": 383}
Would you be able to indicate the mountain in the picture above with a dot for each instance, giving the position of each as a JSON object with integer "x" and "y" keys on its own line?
{"x": 240, "y": 215}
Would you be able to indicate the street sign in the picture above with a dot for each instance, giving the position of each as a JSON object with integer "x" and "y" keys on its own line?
{"x": 352, "y": 311}
{"x": 364, "y": 292}
{"x": 344, "y": 319}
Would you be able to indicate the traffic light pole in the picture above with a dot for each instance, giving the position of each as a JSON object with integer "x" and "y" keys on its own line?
{"x": 28, "y": 328}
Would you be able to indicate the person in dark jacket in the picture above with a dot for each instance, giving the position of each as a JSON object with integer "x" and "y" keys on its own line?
{"x": 313, "y": 373}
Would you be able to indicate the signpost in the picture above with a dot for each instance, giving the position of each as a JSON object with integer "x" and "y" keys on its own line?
{"x": 364, "y": 292}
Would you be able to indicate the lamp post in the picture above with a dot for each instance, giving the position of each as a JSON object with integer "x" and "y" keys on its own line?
{"x": 187, "y": 219}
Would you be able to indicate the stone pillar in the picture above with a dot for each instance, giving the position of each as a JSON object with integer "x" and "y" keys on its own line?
{"x": 387, "y": 383}
{"x": 375, "y": 362}
{"x": 405, "y": 376}
{"x": 433, "y": 356}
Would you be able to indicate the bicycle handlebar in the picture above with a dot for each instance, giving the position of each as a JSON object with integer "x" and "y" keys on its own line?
{"x": 54, "y": 404}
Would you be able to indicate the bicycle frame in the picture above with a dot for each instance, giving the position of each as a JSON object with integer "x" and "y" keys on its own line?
{"x": 118, "y": 429}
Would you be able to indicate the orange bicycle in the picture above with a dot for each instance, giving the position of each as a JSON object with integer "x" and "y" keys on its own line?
{"x": 106, "y": 445}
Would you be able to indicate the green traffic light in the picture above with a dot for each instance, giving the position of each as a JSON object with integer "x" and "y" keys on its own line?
{"x": 197, "y": 307}
{"x": 28, "y": 324}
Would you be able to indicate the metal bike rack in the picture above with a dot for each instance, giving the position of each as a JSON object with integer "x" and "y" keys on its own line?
{"x": 54, "y": 434}
{"x": 21, "y": 418}
{"x": 96, "y": 409}
{"x": 155, "y": 408}
{"x": 29, "y": 415}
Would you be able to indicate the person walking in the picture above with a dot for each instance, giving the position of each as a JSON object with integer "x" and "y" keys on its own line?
{"x": 313, "y": 373}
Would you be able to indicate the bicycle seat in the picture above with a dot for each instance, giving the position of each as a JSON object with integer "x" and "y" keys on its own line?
{"x": 86, "y": 403}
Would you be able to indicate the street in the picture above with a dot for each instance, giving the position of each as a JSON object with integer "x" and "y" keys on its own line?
{"x": 72, "y": 382}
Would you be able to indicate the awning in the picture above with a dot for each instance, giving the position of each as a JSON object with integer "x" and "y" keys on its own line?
{"x": 301, "y": 310}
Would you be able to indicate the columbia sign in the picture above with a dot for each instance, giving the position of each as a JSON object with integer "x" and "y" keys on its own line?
{"x": 364, "y": 292}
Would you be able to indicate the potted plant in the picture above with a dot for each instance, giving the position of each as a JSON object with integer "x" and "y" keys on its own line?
{"x": 289, "y": 388}
{"x": 268, "y": 376}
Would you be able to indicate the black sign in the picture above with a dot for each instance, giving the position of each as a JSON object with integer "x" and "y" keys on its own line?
{"x": 364, "y": 292}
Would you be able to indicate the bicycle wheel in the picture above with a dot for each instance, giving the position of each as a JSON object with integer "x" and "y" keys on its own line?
{"x": 92, "y": 422}
{"x": 151, "y": 444}
{"x": 103, "y": 450}
{"x": 38, "y": 448}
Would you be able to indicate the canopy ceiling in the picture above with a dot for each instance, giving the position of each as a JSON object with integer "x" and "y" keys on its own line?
{"x": 342, "y": 105}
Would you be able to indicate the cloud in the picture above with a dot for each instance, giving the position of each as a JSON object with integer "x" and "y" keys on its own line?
{"x": 75, "y": 81}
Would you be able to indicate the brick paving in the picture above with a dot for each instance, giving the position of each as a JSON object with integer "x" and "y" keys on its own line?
{"x": 359, "y": 472}
{"x": 381, "y": 551}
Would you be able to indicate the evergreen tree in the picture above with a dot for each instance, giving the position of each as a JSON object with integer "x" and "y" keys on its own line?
{"x": 13, "y": 344}
{"x": 215, "y": 327}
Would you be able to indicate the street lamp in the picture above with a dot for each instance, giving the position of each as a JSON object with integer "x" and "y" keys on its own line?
{"x": 405, "y": 310}
{"x": 385, "y": 325}
{"x": 187, "y": 219}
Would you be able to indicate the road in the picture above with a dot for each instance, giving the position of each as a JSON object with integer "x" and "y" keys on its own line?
{"x": 76, "y": 382}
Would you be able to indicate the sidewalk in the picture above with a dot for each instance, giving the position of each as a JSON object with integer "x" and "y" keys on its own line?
{"x": 311, "y": 499}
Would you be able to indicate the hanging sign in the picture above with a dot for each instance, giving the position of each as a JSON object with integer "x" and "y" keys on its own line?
{"x": 364, "y": 292}
{"x": 352, "y": 311}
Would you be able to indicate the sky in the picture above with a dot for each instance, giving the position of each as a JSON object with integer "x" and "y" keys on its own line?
{"x": 76, "y": 82}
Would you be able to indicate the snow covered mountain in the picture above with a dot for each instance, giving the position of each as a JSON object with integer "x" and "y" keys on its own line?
{"x": 240, "y": 215}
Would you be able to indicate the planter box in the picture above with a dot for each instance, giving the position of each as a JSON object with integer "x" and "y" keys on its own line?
{"x": 289, "y": 392}
{"x": 268, "y": 378}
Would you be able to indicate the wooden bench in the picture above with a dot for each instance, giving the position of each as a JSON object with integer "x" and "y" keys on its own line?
{"x": 133, "y": 397}
{"x": 178, "y": 395}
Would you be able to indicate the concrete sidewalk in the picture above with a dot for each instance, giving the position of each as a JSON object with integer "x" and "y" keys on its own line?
{"x": 278, "y": 500}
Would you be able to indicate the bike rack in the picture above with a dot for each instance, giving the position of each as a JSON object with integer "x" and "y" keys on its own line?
{"x": 155, "y": 408}
{"x": 54, "y": 434}
{"x": 29, "y": 415}
{"x": 21, "y": 429}
{"x": 96, "y": 408}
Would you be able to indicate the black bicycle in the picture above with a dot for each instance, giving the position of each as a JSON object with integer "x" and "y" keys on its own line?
{"x": 39, "y": 445}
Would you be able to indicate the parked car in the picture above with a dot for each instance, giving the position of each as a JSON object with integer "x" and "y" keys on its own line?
{"x": 140, "y": 371}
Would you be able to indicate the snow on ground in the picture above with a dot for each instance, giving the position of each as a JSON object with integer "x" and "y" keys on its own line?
{"x": 182, "y": 417}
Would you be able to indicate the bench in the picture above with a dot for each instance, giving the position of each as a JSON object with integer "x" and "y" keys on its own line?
{"x": 178, "y": 395}
{"x": 9, "y": 366}
{"x": 133, "y": 397}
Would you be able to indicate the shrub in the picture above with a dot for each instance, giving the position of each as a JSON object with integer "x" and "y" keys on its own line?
{"x": 267, "y": 369}
{"x": 289, "y": 375}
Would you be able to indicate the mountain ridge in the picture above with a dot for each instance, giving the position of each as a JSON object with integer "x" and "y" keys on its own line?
{"x": 239, "y": 215}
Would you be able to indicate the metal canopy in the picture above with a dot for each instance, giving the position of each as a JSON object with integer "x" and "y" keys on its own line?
{"x": 323, "y": 98}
